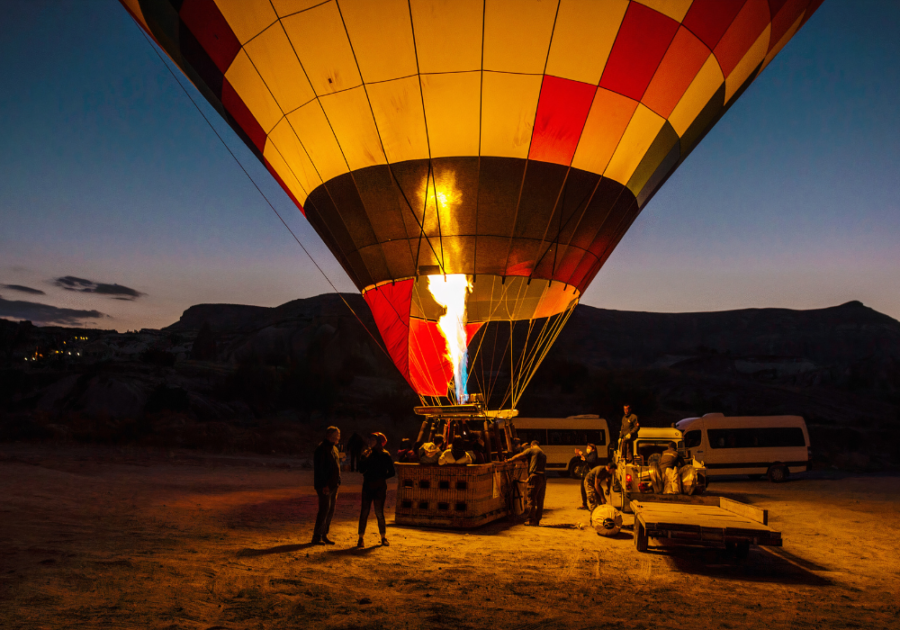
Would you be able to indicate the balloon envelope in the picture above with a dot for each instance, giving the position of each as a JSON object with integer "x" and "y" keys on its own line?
{"x": 514, "y": 141}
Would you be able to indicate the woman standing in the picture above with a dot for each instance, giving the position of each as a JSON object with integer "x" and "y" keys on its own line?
{"x": 376, "y": 467}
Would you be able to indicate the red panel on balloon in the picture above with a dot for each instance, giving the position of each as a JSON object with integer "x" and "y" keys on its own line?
{"x": 235, "y": 106}
{"x": 746, "y": 28}
{"x": 783, "y": 18}
{"x": 208, "y": 25}
{"x": 430, "y": 370}
{"x": 389, "y": 304}
{"x": 562, "y": 109}
{"x": 709, "y": 19}
{"x": 640, "y": 45}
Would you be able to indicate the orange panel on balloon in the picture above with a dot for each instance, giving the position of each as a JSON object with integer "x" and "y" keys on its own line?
{"x": 562, "y": 109}
{"x": 681, "y": 64}
{"x": 609, "y": 116}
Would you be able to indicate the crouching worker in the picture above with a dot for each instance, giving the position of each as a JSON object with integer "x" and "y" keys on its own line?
{"x": 593, "y": 485}
{"x": 376, "y": 467}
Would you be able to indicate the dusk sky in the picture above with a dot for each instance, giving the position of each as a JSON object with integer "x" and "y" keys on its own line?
{"x": 120, "y": 208}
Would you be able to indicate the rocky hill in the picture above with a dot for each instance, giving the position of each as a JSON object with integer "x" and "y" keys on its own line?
{"x": 311, "y": 361}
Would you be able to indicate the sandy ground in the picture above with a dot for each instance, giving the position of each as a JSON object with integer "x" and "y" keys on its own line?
{"x": 115, "y": 539}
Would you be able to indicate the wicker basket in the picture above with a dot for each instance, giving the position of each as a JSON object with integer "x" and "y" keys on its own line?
{"x": 459, "y": 497}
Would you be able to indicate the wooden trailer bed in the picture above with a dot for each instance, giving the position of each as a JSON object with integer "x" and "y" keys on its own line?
{"x": 711, "y": 521}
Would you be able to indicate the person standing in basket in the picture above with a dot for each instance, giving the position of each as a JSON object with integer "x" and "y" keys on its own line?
{"x": 326, "y": 481}
{"x": 536, "y": 485}
{"x": 376, "y": 467}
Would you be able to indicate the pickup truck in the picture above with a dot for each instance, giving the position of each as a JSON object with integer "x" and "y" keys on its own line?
{"x": 642, "y": 477}
{"x": 666, "y": 506}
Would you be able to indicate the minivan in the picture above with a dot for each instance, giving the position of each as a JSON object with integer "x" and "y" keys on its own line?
{"x": 775, "y": 446}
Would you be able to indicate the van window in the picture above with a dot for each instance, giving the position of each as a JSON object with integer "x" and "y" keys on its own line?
{"x": 575, "y": 437}
{"x": 692, "y": 438}
{"x": 756, "y": 438}
{"x": 529, "y": 435}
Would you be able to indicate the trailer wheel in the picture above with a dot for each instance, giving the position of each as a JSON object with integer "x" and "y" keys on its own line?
{"x": 777, "y": 473}
{"x": 640, "y": 536}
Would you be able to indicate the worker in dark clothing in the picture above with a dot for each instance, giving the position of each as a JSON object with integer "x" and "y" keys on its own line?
{"x": 670, "y": 458}
{"x": 629, "y": 431}
{"x": 593, "y": 485}
{"x": 377, "y": 467}
{"x": 355, "y": 446}
{"x": 588, "y": 462}
{"x": 326, "y": 481}
{"x": 536, "y": 485}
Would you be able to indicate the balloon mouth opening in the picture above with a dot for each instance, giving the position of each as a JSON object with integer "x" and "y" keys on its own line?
{"x": 608, "y": 523}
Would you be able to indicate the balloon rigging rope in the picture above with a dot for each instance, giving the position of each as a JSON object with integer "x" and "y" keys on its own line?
{"x": 255, "y": 185}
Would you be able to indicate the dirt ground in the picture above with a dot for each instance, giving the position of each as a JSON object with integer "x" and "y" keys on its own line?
{"x": 109, "y": 538}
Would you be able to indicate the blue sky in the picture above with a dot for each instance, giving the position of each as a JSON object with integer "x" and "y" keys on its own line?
{"x": 111, "y": 177}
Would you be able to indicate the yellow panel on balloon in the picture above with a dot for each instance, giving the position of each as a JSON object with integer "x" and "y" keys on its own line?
{"x": 452, "y": 112}
{"x": 675, "y": 9}
{"x": 283, "y": 140}
{"x": 448, "y": 34}
{"x": 609, "y": 117}
{"x": 321, "y": 42}
{"x": 747, "y": 64}
{"x": 397, "y": 106}
{"x": 382, "y": 38}
{"x": 517, "y": 35}
{"x": 351, "y": 119}
{"x": 784, "y": 40}
{"x": 276, "y": 62}
{"x": 279, "y": 164}
{"x": 702, "y": 88}
{"x": 246, "y": 81}
{"x": 508, "y": 105}
{"x": 314, "y": 131}
{"x": 638, "y": 136}
{"x": 247, "y": 18}
{"x": 582, "y": 38}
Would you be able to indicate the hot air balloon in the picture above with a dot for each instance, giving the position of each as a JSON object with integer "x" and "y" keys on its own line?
{"x": 492, "y": 152}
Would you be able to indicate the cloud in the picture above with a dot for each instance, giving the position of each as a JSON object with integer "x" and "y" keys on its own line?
{"x": 22, "y": 289}
{"x": 116, "y": 291}
{"x": 46, "y": 314}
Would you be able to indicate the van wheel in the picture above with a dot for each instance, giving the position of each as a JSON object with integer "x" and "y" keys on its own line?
{"x": 777, "y": 473}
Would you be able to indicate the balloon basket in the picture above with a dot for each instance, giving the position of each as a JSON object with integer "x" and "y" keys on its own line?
{"x": 458, "y": 497}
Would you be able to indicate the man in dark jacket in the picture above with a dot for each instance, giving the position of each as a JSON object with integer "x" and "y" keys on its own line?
{"x": 326, "y": 481}
{"x": 536, "y": 486}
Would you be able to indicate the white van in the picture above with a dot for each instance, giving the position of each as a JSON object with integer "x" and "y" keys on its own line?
{"x": 559, "y": 437}
{"x": 775, "y": 446}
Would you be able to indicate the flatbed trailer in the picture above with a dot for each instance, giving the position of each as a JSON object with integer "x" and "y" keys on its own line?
{"x": 701, "y": 520}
